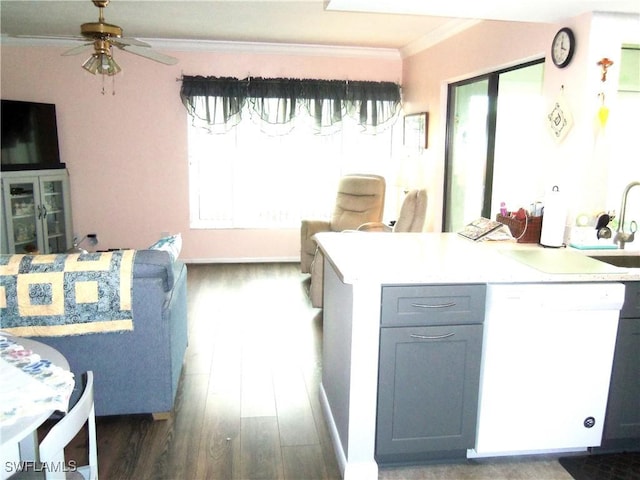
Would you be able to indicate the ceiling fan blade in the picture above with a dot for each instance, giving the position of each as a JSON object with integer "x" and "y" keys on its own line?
{"x": 150, "y": 54}
{"x": 78, "y": 50}
{"x": 50, "y": 40}
{"x": 51, "y": 37}
{"x": 130, "y": 41}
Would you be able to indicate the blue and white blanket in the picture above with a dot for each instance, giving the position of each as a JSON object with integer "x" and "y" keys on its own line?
{"x": 66, "y": 294}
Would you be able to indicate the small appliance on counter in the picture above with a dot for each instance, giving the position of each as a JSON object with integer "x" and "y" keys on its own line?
{"x": 588, "y": 237}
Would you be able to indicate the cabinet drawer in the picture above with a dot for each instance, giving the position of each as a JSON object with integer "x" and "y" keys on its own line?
{"x": 404, "y": 305}
{"x": 631, "y": 306}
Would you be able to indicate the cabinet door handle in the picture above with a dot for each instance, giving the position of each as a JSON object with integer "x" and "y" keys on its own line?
{"x": 440, "y": 305}
{"x": 434, "y": 337}
{"x": 44, "y": 211}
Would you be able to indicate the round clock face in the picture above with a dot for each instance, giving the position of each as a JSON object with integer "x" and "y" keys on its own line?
{"x": 563, "y": 47}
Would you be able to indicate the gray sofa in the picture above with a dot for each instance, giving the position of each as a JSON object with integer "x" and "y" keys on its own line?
{"x": 138, "y": 371}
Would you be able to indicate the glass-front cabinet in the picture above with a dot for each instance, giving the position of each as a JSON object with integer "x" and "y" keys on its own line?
{"x": 36, "y": 212}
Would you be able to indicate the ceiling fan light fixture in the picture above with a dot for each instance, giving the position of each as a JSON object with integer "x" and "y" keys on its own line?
{"x": 104, "y": 36}
{"x": 101, "y": 63}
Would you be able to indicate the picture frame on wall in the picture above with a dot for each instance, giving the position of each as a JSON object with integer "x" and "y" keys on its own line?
{"x": 416, "y": 130}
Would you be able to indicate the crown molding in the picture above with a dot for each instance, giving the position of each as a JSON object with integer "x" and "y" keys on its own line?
{"x": 39, "y": 41}
{"x": 438, "y": 35}
{"x": 216, "y": 46}
{"x": 273, "y": 48}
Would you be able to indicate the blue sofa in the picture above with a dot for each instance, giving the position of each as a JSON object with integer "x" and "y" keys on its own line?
{"x": 138, "y": 371}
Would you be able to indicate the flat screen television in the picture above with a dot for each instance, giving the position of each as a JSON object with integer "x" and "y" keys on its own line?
{"x": 29, "y": 136}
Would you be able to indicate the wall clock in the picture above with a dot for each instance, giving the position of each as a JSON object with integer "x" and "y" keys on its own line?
{"x": 563, "y": 47}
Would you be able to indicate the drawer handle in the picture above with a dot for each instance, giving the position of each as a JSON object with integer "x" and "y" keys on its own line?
{"x": 434, "y": 337}
{"x": 441, "y": 305}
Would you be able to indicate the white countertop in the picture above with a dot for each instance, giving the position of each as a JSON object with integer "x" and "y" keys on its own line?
{"x": 439, "y": 258}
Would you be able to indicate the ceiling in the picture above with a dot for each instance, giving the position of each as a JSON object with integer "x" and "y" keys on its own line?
{"x": 403, "y": 25}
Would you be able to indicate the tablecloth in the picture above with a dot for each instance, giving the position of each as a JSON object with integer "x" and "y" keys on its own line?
{"x": 30, "y": 384}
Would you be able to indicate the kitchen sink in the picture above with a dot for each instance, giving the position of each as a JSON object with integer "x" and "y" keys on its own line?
{"x": 625, "y": 261}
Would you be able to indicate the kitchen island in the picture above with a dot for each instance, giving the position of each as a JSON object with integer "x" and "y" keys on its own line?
{"x": 359, "y": 267}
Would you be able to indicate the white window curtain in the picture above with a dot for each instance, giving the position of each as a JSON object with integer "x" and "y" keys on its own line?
{"x": 248, "y": 179}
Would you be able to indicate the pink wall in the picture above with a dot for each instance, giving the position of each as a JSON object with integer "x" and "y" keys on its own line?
{"x": 580, "y": 164}
{"x": 485, "y": 47}
{"x": 127, "y": 153}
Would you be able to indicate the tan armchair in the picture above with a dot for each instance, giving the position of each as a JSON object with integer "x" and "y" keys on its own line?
{"x": 360, "y": 199}
{"x": 411, "y": 218}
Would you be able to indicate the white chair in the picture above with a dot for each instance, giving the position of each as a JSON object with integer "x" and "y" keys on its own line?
{"x": 52, "y": 447}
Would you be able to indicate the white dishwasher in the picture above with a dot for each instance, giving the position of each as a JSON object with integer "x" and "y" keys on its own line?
{"x": 546, "y": 364}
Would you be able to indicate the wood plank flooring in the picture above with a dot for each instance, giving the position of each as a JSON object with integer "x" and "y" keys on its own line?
{"x": 248, "y": 404}
{"x": 248, "y": 401}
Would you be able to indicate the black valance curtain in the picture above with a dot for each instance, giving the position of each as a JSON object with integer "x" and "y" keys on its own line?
{"x": 217, "y": 103}
{"x": 214, "y": 101}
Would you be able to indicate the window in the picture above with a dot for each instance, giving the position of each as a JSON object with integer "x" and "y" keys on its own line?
{"x": 622, "y": 128}
{"x": 246, "y": 177}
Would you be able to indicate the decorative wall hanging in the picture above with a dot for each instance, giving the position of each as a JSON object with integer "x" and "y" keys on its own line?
{"x": 560, "y": 119}
{"x": 603, "y": 111}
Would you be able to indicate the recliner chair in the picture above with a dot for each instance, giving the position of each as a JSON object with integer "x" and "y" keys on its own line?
{"x": 360, "y": 199}
{"x": 411, "y": 218}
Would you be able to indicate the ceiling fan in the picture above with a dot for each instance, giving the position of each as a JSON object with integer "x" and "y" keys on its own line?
{"x": 102, "y": 37}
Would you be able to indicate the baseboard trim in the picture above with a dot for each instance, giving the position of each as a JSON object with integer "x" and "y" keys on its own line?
{"x": 333, "y": 431}
{"x": 243, "y": 260}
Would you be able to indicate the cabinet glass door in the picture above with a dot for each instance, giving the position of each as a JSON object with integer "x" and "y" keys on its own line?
{"x": 23, "y": 215}
{"x": 53, "y": 215}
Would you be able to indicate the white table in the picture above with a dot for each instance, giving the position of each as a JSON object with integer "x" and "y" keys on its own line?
{"x": 19, "y": 440}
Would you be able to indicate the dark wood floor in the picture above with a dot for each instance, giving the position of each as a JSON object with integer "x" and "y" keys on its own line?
{"x": 247, "y": 406}
{"x": 248, "y": 401}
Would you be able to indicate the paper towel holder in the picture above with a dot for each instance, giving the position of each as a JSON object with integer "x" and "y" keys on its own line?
{"x": 553, "y": 220}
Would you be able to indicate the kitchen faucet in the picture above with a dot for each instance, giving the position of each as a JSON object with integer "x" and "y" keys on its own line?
{"x": 621, "y": 236}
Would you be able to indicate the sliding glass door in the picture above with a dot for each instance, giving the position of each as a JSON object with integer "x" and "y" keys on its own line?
{"x": 490, "y": 120}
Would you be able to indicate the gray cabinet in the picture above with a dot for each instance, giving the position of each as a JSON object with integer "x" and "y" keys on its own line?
{"x": 429, "y": 370}
{"x": 36, "y": 210}
{"x": 622, "y": 424}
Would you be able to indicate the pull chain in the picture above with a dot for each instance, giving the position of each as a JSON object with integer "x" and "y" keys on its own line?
{"x": 113, "y": 84}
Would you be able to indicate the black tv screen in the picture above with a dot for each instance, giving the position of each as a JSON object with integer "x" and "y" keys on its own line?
{"x": 29, "y": 136}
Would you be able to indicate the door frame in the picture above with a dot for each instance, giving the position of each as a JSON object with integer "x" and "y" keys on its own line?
{"x": 493, "y": 79}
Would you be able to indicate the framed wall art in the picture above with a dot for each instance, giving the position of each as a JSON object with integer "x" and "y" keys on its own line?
{"x": 416, "y": 130}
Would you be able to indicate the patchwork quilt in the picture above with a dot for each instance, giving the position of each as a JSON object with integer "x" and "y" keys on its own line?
{"x": 66, "y": 294}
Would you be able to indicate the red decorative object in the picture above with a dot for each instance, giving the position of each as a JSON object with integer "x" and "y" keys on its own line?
{"x": 605, "y": 63}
